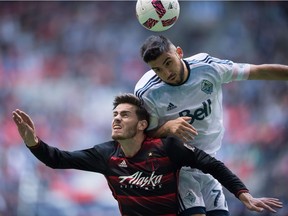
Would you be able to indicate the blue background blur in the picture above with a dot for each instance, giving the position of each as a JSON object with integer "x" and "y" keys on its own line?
{"x": 63, "y": 63}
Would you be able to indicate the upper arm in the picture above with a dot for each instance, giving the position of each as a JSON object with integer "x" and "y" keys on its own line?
{"x": 186, "y": 155}
{"x": 178, "y": 153}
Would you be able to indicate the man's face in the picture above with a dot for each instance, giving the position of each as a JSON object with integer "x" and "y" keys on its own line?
{"x": 125, "y": 122}
{"x": 170, "y": 67}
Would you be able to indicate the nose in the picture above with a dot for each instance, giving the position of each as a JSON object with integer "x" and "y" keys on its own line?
{"x": 167, "y": 72}
{"x": 116, "y": 118}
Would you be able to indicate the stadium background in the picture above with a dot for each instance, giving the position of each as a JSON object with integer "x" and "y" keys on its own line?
{"x": 63, "y": 63}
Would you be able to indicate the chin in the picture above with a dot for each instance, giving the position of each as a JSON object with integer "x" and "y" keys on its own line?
{"x": 117, "y": 137}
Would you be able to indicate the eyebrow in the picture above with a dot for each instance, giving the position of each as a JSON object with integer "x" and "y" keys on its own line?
{"x": 164, "y": 62}
{"x": 167, "y": 59}
{"x": 122, "y": 112}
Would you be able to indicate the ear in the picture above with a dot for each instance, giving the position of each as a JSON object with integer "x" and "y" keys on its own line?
{"x": 179, "y": 51}
{"x": 142, "y": 125}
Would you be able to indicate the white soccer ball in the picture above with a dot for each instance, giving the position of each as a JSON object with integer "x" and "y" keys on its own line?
{"x": 157, "y": 15}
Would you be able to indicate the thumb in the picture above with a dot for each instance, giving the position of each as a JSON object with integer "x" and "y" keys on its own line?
{"x": 258, "y": 209}
{"x": 186, "y": 118}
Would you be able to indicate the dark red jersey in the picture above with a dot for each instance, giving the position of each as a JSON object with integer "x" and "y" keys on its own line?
{"x": 145, "y": 184}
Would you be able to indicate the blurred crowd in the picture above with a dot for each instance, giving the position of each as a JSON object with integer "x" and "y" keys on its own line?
{"x": 63, "y": 63}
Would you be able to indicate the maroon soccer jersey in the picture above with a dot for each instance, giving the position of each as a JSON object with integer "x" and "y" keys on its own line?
{"x": 145, "y": 184}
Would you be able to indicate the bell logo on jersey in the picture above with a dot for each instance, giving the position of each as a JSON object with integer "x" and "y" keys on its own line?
{"x": 200, "y": 113}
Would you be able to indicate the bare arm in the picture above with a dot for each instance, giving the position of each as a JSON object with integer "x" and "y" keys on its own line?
{"x": 177, "y": 127}
{"x": 268, "y": 72}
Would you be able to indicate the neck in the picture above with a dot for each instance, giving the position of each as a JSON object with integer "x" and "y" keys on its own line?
{"x": 131, "y": 146}
{"x": 186, "y": 72}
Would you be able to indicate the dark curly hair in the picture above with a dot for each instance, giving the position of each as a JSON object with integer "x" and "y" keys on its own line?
{"x": 129, "y": 98}
{"x": 153, "y": 47}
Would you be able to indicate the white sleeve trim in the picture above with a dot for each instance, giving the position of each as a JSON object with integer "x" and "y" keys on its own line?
{"x": 241, "y": 72}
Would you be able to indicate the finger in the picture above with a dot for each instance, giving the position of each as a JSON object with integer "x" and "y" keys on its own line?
{"x": 18, "y": 111}
{"x": 276, "y": 204}
{"x": 23, "y": 114}
{"x": 186, "y": 118}
{"x": 181, "y": 137}
{"x": 265, "y": 206}
{"x": 191, "y": 132}
{"x": 185, "y": 134}
{"x": 273, "y": 202}
{"x": 189, "y": 136}
{"x": 26, "y": 118}
{"x": 17, "y": 118}
{"x": 187, "y": 122}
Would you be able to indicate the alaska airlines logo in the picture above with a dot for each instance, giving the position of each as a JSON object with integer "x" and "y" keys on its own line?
{"x": 206, "y": 86}
{"x": 141, "y": 181}
{"x": 200, "y": 113}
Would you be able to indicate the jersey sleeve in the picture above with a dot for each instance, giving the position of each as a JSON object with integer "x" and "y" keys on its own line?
{"x": 230, "y": 71}
{"x": 187, "y": 155}
{"x": 88, "y": 159}
{"x": 154, "y": 118}
{"x": 143, "y": 85}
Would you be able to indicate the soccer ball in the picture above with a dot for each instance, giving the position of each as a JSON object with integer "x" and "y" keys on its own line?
{"x": 157, "y": 15}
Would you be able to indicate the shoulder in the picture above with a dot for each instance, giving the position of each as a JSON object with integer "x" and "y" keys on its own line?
{"x": 106, "y": 148}
{"x": 153, "y": 142}
{"x": 200, "y": 62}
{"x": 148, "y": 76}
{"x": 172, "y": 142}
{"x": 206, "y": 58}
{"x": 199, "y": 57}
{"x": 148, "y": 80}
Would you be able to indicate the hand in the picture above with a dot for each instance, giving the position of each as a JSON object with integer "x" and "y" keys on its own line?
{"x": 259, "y": 204}
{"x": 180, "y": 128}
{"x": 26, "y": 127}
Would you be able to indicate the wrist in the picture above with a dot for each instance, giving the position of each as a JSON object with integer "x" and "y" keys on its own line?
{"x": 32, "y": 143}
{"x": 242, "y": 192}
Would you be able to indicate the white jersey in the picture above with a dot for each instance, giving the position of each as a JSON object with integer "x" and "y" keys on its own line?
{"x": 200, "y": 97}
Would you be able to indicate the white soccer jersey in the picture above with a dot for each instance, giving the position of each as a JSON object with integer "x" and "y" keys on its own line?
{"x": 200, "y": 97}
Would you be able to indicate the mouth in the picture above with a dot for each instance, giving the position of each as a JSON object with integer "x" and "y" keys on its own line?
{"x": 117, "y": 127}
{"x": 172, "y": 77}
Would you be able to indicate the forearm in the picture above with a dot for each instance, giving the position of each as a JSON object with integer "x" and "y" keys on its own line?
{"x": 186, "y": 155}
{"x": 268, "y": 72}
{"x": 46, "y": 154}
{"x": 160, "y": 132}
{"x": 87, "y": 159}
{"x": 223, "y": 174}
